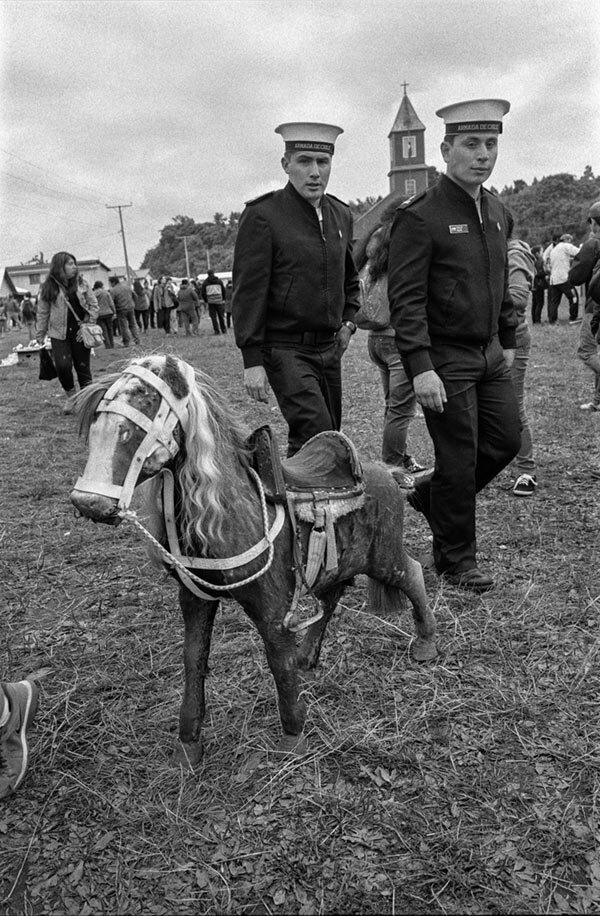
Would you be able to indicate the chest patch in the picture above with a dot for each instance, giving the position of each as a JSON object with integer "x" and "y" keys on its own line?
{"x": 458, "y": 229}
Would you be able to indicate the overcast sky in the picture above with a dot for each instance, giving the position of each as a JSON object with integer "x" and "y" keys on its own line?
{"x": 171, "y": 106}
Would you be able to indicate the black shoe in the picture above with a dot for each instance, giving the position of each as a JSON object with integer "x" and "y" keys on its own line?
{"x": 473, "y": 580}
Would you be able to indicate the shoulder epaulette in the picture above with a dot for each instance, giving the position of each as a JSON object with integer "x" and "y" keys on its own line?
{"x": 256, "y": 200}
{"x": 412, "y": 200}
{"x": 333, "y": 197}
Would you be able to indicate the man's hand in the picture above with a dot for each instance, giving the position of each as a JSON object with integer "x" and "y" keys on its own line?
{"x": 342, "y": 339}
{"x": 430, "y": 391}
{"x": 509, "y": 357}
{"x": 255, "y": 380}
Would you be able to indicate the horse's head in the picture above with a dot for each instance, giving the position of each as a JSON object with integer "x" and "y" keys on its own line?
{"x": 132, "y": 432}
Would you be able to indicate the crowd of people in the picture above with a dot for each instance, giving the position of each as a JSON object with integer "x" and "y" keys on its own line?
{"x": 451, "y": 287}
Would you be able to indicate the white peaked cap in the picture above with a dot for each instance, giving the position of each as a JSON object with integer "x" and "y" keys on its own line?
{"x": 309, "y": 135}
{"x": 474, "y": 116}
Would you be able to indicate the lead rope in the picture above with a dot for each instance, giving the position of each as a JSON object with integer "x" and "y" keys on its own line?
{"x": 131, "y": 516}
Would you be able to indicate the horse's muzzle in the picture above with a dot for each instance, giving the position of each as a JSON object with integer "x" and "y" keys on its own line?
{"x": 96, "y": 507}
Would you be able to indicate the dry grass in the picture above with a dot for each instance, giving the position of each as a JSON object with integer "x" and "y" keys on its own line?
{"x": 465, "y": 786}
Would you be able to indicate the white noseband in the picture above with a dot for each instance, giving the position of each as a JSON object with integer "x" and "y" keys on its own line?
{"x": 159, "y": 431}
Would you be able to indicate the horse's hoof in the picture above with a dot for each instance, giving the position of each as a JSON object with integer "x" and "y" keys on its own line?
{"x": 187, "y": 754}
{"x": 424, "y": 650}
{"x": 294, "y": 745}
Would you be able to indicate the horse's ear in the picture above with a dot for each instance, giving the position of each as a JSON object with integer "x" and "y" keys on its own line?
{"x": 173, "y": 376}
{"x": 86, "y": 405}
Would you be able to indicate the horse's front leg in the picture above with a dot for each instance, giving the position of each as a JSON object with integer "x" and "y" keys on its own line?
{"x": 280, "y": 648}
{"x": 198, "y": 618}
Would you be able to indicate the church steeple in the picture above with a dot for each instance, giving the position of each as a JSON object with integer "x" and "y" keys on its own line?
{"x": 408, "y": 171}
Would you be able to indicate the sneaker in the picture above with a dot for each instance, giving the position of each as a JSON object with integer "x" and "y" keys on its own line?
{"x": 413, "y": 467}
{"x": 525, "y": 485}
{"x": 14, "y": 753}
{"x": 589, "y": 406}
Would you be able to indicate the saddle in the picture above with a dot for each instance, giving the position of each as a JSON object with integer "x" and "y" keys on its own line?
{"x": 319, "y": 484}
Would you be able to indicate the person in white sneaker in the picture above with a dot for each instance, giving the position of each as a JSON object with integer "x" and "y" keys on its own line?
{"x": 521, "y": 273}
{"x": 584, "y": 266}
{"x": 18, "y": 705}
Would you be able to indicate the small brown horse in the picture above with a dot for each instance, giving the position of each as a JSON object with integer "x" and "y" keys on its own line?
{"x": 160, "y": 414}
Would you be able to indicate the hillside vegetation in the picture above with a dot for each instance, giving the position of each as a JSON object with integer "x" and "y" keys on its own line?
{"x": 556, "y": 203}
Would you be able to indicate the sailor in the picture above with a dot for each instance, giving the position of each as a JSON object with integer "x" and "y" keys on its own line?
{"x": 455, "y": 329}
{"x": 296, "y": 288}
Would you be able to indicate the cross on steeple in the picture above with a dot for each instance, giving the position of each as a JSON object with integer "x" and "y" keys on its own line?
{"x": 404, "y": 85}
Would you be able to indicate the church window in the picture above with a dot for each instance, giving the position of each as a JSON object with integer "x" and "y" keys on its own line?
{"x": 409, "y": 147}
{"x": 410, "y": 187}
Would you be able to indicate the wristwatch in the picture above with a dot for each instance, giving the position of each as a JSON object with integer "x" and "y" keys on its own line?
{"x": 350, "y": 325}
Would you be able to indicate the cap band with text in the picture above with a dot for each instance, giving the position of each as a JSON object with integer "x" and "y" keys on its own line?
{"x": 310, "y": 145}
{"x": 477, "y": 127}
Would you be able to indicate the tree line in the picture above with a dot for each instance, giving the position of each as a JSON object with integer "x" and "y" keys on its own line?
{"x": 553, "y": 204}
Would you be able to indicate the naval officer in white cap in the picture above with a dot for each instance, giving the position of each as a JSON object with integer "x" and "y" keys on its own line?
{"x": 296, "y": 288}
{"x": 455, "y": 328}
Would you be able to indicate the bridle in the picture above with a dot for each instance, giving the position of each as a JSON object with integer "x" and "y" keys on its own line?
{"x": 160, "y": 432}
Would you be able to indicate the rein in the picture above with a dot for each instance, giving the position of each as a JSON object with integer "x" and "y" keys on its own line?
{"x": 175, "y": 558}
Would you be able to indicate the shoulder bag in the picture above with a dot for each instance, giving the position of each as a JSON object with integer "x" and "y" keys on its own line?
{"x": 90, "y": 335}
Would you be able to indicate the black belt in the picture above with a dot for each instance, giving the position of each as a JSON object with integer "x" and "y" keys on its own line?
{"x": 307, "y": 339}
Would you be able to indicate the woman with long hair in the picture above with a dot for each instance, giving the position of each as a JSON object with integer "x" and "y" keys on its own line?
{"x": 65, "y": 299}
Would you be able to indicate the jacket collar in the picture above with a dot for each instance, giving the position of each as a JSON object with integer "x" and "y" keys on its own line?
{"x": 455, "y": 190}
{"x": 293, "y": 193}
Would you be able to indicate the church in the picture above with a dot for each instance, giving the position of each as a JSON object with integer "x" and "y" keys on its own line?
{"x": 408, "y": 169}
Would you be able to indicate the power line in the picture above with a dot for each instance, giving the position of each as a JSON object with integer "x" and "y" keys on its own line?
{"x": 55, "y": 191}
{"x": 30, "y": 207}
{"x": 48, "y": 171}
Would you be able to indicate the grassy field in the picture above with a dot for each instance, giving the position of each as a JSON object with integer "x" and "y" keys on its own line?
{"x": 469, "y": 785}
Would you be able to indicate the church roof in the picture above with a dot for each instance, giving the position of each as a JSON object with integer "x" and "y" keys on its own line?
{"x": 406, "y": 119}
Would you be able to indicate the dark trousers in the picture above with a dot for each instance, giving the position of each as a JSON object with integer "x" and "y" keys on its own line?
{"x": 555, "y": 294}
{"x": 71, "y": 354}
{"x": 478, "y": 434}
{"x": 307, "y": 382}
{"x": 217, "y": 316}
{"x": 142, "y": 317}
{"x": 106, "y": 323}
{"x": 127, "y": 324}
{"x": 537, "y": 305}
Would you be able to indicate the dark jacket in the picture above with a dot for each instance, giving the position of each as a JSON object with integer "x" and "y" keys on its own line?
{"x": 582, "y": 268}
{"x": 287, "y": 277}
{"x": 106, "y": 305}
{"x": 188, "y": 300}
{"x": 448, "y": 274}
{"x": 122, "y": 297}
{"x": 212, "y": 281}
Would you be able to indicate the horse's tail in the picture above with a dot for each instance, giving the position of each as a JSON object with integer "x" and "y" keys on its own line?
{"x": 385, "y": 600}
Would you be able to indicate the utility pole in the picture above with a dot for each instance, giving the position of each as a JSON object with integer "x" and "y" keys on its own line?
{"x": 120, "y": 207}
{"x": 187, "y": 261}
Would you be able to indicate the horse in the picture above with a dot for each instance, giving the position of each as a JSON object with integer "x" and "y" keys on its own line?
{"x": 161, "y": 421}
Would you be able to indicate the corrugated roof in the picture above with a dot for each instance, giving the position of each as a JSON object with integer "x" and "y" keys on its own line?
{"x": 406, "y": 119}
{"x": 36, "y": 266}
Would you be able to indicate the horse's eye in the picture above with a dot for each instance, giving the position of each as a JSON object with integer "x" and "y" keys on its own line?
{"x": 124, "y": 434}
